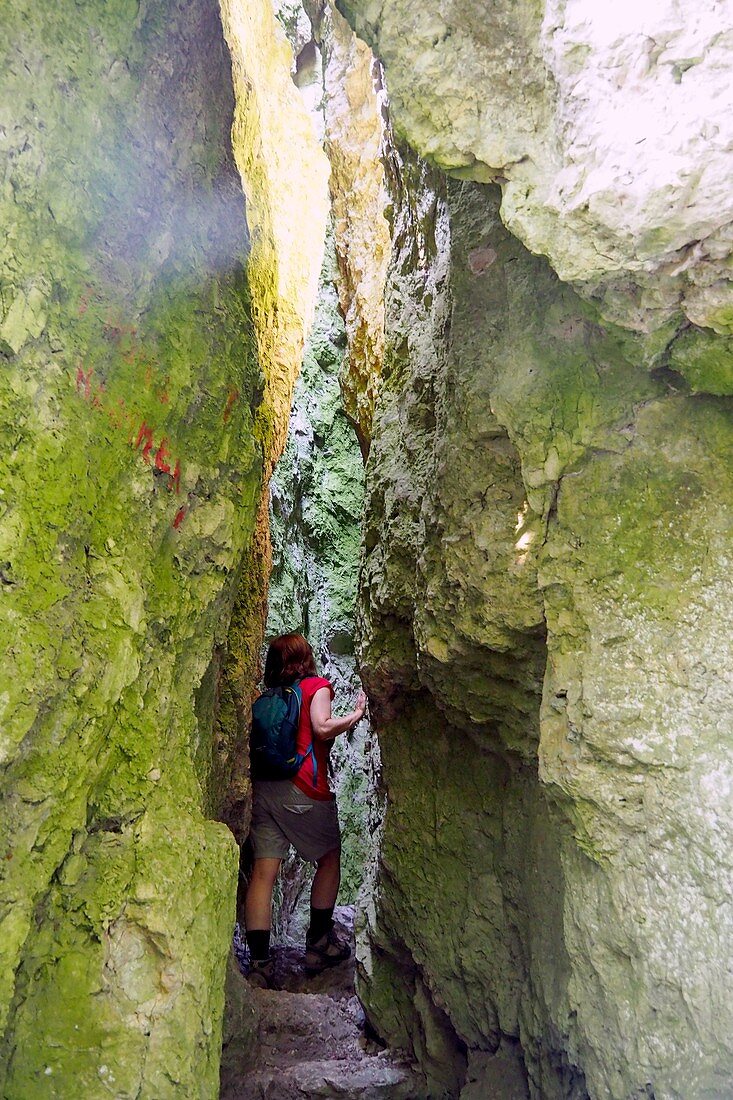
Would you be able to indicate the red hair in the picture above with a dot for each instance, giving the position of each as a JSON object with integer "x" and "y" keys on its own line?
{"x": 289, "y": 658}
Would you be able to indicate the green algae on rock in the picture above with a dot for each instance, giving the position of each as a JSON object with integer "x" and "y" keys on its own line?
{"x": 544, "y": 514}
{"x": 704, "y": 360}
{"x": 135, "y": 439}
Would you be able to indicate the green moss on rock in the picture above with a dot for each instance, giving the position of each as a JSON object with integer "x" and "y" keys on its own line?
{"x": 130, "y": 487}
{"x": 546, "y": 634}
{"x": 705, "y": 361}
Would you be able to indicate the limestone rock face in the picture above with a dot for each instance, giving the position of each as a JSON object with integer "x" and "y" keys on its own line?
{"x": 285, "y": 171}
{"x": 136, "y": 428}
{"x": 609, "y": 130}
{"x": 354, "y": 116}
{"x": 546, "y": 642}
{"x": 317, "y": 496}
{"x": 317, "y": 492}
{"x": 545, "y": 633}
{"x": 284, "y": 174}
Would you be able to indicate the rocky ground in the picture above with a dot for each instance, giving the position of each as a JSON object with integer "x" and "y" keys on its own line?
{"x": 309, "y": 1038}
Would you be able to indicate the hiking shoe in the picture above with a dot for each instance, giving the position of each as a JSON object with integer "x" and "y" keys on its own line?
{"x": 327, "y": 951}
{"x": 261, "y": 973}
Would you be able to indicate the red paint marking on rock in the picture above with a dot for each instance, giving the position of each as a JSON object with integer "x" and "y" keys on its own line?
{"x": 160, "y": 456}
{"x": 233, "y": 395}
{"x": 145, "y": 436}
{"x": 84, "y": 382}
{"x": 180, "y": 516}
{"x": 481, "y": 259}
{"x": 139, "y": 437}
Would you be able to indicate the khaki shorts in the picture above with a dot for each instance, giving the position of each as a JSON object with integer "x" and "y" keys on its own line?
{"x": 282, "y": 815}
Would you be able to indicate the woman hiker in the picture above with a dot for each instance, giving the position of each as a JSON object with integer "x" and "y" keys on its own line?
{"x": 300, "y": 811}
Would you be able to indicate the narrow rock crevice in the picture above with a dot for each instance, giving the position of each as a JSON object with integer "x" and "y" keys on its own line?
{"x": 497, "y": 250}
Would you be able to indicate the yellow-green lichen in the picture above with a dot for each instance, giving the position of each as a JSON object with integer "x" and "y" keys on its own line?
{"x": 131, "y": 480}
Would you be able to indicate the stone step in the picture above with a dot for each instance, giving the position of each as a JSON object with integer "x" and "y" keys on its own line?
{"x": 374, "y": 1079}
{"x": 313, "y": 1045}
{"x": 307, "y": 1038}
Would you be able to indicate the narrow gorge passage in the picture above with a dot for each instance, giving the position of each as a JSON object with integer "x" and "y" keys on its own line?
{"x": 407, "y": 325}
{"x": 307, "y": 1037}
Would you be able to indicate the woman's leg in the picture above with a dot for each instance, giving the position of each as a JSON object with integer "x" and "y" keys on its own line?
{"x": 326, "y": 881}
{"x": 324, "y": 891}
{"x": 258, "y": 903}
{"x": 322, "y": 947}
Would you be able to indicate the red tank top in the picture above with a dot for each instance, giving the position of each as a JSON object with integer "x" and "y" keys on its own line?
{"x": 322, "y": 749}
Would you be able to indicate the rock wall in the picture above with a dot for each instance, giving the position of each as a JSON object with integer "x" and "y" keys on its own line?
{"x": 546, "y": 643}
{"x": 354, "y": 111}
{"x": 608, "y": 131}
{"x": 317, "y": 496}
{"x": 149, "y": 340}
{"x": 547, "y": 541}
{"x": 545, "y": 617}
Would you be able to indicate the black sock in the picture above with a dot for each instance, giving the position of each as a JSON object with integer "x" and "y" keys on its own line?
{"x": 321, "y": 921}
{"x": 258, "y": 942}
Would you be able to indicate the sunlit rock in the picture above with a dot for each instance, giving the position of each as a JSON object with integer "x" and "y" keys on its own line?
{"x": 354, "y": 112}
{"x": 608, "y": 128}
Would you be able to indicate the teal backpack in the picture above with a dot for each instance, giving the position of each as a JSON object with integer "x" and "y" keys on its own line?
{"x": 272, "y": 746}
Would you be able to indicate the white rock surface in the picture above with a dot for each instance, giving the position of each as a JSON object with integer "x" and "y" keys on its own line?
{"x": 609, "y": 127}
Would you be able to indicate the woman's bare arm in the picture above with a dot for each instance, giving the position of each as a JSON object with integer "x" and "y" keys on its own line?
{"x": 324, "y": 726}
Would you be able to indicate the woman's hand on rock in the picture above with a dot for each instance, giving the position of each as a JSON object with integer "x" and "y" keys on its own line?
{"x": 361, "y": 704}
